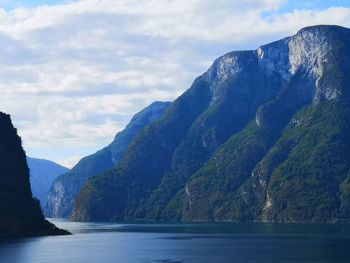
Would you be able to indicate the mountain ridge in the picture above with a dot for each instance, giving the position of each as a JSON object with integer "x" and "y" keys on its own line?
{"x": 65, "y": 187}
{"x": 197, "y": 161}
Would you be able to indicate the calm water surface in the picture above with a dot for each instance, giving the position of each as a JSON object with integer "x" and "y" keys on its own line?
{"x": 188, "y": 243}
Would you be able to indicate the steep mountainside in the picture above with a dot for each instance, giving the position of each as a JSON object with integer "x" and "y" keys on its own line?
{"x": 20, "y": 214}
{"x": 262, "y": 135}
{"x": 65, "y": 188}
{"x": 42, "y": 174}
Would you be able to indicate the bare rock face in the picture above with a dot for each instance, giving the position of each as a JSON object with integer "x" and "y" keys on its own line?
{"x": 55, "y": 200}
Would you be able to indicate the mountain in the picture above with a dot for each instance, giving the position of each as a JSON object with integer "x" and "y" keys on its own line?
{"x": 65, "y": 187}
{"x": 42, "y": 174}
{"x": 20, "y": 213}
{"x": 262, "y": 135}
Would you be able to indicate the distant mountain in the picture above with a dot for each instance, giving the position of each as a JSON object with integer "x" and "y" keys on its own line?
{"x": 65, "y": 187}
{"x": 262, "y": 135}
{"x": 42, "y": 174}
{"x": 20, "y": 213}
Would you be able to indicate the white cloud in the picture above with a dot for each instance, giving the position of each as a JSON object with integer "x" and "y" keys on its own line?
{"x": 70, "y": 161}
{"x": 73, "y": 74}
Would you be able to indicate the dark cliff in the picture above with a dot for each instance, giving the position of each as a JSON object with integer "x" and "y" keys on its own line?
{"x": 20, "y": 213}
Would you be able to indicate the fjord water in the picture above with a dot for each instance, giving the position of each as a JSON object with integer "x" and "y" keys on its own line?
{"x": 192, "y": 243}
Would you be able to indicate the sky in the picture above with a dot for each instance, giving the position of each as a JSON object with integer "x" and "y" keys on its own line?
{"x": 72, "y": 73}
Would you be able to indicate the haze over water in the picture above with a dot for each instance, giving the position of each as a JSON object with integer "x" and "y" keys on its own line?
{"x": 188, "y": 243}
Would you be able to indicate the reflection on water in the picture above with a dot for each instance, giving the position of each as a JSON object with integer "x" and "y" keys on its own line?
{"x": 188, "y": 243}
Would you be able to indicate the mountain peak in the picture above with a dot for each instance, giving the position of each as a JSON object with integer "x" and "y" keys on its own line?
{"x": 322, "y": 29}
{"x": 310, "y": 51}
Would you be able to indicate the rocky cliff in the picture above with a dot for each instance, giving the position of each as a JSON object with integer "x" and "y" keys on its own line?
{"x": 42, "y": 174}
